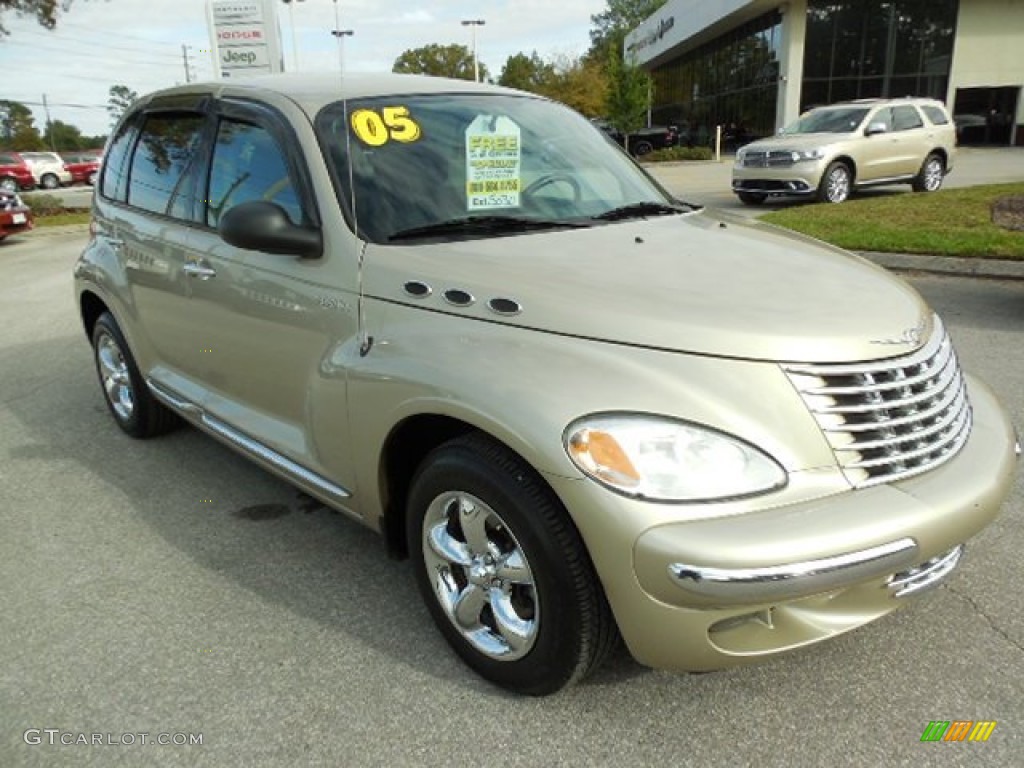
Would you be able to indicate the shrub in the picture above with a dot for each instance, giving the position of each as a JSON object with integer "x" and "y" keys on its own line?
{"x": 673, "y": 154}
{"x": 44, "y": 205}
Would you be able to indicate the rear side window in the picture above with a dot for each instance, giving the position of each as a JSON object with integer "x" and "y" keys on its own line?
{"x": 906, "y": 117}
{"x": 249, "y": 165}
{"x": 165, "y": 148}
{"x": 936, "y": 115}
{"x": 115, "y": 169}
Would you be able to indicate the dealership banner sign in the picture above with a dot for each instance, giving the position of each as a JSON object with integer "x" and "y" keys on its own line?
{"x": 246, "y": 37}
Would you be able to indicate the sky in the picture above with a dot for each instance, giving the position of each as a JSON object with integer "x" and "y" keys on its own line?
{"x": 99, "y": 43}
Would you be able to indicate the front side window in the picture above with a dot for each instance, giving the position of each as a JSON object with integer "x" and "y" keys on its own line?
{"x": 166, "y": 145}
{"x": 249, "y": 165}
{"x": 423, "y": 161}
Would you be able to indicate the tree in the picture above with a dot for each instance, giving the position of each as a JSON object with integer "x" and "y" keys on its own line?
{"x": 121, "y": 97}
{"x": 18, "y": 127}
{"x": 64, "y": 137}
{"x": 45, "y": 11}
{"x": 612, "y": 25}
{"x": 439, "y": 61}
{"x": 579, "y": 83}
{"x": 527, "y": 73}
{"x": 628, "y": 94}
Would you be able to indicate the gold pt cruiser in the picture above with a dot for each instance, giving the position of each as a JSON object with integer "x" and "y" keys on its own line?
{"x": 583, "y": 409}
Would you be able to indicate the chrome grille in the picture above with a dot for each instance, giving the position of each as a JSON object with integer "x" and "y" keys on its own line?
{"x": 767, "y": 159}
{"x": 890, "y": 419}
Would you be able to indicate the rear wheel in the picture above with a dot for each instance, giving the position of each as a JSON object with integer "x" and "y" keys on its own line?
{"x": 9, "y": 185}
{"x": 836, "y": 183}
{"x": 503, "y": 570}
{"x": 134, "y": 409}
{"x": 751, "y": 198}
{"x": 929, "y": 178}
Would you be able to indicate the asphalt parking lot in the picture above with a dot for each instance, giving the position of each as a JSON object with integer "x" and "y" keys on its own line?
{"x": 170, "y": 587}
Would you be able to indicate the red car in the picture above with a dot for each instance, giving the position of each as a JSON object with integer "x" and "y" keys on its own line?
{"x": 15, "y": 173}
{"x": 15, "y": 216}
{"x": 84, "y": 166}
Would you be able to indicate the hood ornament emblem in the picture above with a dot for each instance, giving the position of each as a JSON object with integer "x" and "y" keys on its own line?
{"x": 909, "y": 336}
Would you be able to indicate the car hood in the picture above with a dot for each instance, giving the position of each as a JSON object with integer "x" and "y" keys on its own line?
{"x": 699, "y": 283}
{"x": 797, "y": 141}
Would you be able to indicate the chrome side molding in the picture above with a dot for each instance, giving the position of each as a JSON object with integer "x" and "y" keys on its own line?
{"x": 281, "y": 464}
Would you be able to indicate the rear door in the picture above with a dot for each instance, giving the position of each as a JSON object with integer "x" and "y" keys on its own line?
{"x": 912, "y": 140}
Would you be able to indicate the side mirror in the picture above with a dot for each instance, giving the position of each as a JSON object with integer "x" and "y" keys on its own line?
{"x": 874, "y": 128}
{"x": 263, "y": 226}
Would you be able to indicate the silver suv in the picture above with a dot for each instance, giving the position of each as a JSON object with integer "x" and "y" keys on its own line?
{"x": 831, "y": 151}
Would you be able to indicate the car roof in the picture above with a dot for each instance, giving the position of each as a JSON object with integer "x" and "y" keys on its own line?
{"x": 313, "y": 91}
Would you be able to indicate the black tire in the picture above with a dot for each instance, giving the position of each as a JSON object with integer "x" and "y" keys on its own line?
{"x": 134, "y": 409}
{"x": 836, "y": 183}
{"x": 930, "y": 177}
{"x": 751, "y": 198}
{"x": 49, "y": 181}
{"x": 642, "y": 148}
{"x": 567, "y": 628}
{"x": 8, "y": 184}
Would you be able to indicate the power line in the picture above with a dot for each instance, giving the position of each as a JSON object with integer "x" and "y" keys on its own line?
{"x": 149, "y": 40}
{"x": 103, "y": 46}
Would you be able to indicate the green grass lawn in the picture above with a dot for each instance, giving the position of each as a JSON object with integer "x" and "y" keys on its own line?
{"x": 58, "y": 219}
{"x": 952, "y": 222}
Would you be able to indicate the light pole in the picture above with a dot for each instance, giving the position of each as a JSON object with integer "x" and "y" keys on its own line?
{"x": 291, "y": 23}
{"x": 340, "y": 34}
{"x": 474, "y": 23}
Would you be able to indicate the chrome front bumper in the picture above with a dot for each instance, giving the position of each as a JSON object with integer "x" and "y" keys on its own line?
{"x": 729, "y": 586}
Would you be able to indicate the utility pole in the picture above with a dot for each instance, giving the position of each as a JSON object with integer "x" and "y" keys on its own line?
{"x": 49, "y": 123}
{"x": 185, "y": 60}
{"x": 340, "y": 34}
{"x": 474, "y": 23}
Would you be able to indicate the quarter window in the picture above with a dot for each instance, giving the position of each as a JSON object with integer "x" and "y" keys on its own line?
{"x": 165, "y": 148}
{"x": 936, "y": 115}
{"x": 905, "y": 118}
{"x": 249, "y": 165}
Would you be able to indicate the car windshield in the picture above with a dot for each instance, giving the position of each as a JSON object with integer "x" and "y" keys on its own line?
{"x": 431, "y": 165}
{"x": 830, "y": 120}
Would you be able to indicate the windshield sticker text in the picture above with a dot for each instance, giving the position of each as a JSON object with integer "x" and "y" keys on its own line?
{"x": 493, "y": 163}
{"x": 390, "y": 124}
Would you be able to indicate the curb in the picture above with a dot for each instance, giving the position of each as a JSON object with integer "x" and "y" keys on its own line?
{"x": 995, "y": 269}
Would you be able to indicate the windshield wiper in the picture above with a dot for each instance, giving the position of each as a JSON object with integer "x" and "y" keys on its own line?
{"x": 640, "y": 210}
{"x": 471, "y": 225}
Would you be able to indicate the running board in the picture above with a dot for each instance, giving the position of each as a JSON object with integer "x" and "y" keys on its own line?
{"x": 247, "y": 445}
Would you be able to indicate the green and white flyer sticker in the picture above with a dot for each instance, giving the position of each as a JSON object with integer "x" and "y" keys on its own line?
{"x": 493, "y": 164}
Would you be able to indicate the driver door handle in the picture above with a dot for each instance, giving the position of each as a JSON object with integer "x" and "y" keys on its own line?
{"x": 199, "y": 270}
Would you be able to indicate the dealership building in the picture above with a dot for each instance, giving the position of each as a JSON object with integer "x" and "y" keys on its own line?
{"x": 755, "y": 65}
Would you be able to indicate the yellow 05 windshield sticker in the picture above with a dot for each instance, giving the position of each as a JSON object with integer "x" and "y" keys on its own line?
{"x": 493, "y": 163}
{"x": 389, "y": 124}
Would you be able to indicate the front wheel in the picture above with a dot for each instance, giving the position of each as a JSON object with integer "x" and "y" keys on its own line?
{"x": 929, "y": 178}
{"x": 751, "y": 198}
{"x": 503, "y": 570}
{"x": 49, "y": 181}
{"x": 642, "y": 148}
{"x": 836, "y": 183}
{"x": 9, "y": 185}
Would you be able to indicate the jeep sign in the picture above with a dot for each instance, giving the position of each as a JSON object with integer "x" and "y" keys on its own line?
{"x": 246, "y": 37}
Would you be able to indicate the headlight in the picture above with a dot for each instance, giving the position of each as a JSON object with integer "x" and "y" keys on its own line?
{"x": 655, "y": 458}
{"x": 739, "y": 156}
{"x": 803, "y": 155}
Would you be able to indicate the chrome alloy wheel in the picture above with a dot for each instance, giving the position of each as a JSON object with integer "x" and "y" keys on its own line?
{"x": 117, "y": 383}
{"x": 933, "y": 174}
{"x": 837, "y": 185}
{"x": 481, "y": 576}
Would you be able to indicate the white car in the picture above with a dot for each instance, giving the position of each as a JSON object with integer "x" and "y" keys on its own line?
{"x": 48, "y": 169}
